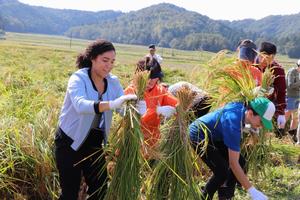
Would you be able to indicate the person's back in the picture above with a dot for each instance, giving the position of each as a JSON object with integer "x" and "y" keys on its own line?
{"x": 219, "y": 122}
{"x": 293, "y": 82}
{"x": 200, "y": 105}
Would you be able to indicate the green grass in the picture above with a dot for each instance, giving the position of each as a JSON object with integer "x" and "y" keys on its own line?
{"x": 33, "y": 79}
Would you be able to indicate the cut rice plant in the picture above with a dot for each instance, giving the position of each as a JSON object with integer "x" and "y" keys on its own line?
{"x": 140, "y": 81}
{"x": 126, "y": 181}
{"x": 266, "y": 88}
{"x": 126, "y": 150}
{"x": 231, "y": 83}
{"x": 268, "y": 78}
{"x": 256, "y": 148}
{"x": 172, "y": 177}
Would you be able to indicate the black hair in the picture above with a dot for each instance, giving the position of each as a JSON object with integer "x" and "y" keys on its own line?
{"x": 151, "y": 65}
{"x": 154, "y": 67}
{"x": 268, "y": 48}
{"x": 247, "y": 50}
{"x": 246, "y": 43}
{"x": 96, "y": 48}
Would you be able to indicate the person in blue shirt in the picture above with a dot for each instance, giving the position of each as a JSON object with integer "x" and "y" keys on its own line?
{"x": 224, "y": 130}
{"x": 85, "y": 120}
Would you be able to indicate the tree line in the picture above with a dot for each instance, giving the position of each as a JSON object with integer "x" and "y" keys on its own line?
{"x": 164, "y": 24}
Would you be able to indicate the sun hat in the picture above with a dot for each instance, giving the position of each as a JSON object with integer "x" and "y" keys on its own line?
{"x": 265, "y": 109}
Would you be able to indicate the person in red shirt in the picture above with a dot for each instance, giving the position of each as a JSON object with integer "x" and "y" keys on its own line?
{"x": 157, "y": 102}
{"x": 278, "y": 97}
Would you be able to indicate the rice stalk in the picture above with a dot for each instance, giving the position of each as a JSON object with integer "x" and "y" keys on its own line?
{"x": 126, "y": 180}
{"x": 231, "y": 83}
{"x": 257, "y": 149}
{"x": 140, "y": 80}
{"x": 27, "y": 165}
{"x": 266, "y": 88}
{"x": 126, "y": 150}
{"x": 172, "y": 177}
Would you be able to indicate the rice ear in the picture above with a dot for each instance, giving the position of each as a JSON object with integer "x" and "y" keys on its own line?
{"x": 230, "y": 83}
{"x": 140, "y": 80}
{"x": 172, "y": 177}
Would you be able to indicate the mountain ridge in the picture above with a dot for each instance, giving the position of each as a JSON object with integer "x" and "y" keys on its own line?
{"x": 164, "y": 24}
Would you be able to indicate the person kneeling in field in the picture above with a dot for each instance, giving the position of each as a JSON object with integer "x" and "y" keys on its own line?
{"x": 224, "y": 130}
{"x": 158, "y": 102}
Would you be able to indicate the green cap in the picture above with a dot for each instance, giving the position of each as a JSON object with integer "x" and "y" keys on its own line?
{"x": 265, "y": 109}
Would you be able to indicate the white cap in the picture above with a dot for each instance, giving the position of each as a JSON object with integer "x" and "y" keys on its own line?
{"x": 298, "y": 63}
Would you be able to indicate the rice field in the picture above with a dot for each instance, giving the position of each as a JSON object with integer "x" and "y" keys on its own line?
{"x": 33, "y": 79}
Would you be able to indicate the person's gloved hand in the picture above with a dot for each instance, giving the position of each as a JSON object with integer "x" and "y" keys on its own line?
{"x": 256, "y": 194}
{"x": 141, "y": 107}
{"x": 281, "y": 121}
{"x": 260, "y": 91}
{"x": 117, "y": 103}
{"x": 166, "y": 111}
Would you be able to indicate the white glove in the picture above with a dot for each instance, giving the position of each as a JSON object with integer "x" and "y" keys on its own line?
{"x": 117, "y": 103}
{"x": 260, "y": 91}
{"x": 281, "y": 121}
{"x": 166, "y": 111}
{"x": 256, "y": 194}
{"x": 141, "y": 107}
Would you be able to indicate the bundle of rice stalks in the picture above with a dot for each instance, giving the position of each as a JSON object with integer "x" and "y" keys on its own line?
{"x": 268, "y": 78}
{"x": 257, "y": 149}
{"x": 266, "y": 88}
{"x": 231, "y": 83}
{"x": 140, "y": 81}
{"x": 127, "y": 141}
{"x": 172, "y": 177}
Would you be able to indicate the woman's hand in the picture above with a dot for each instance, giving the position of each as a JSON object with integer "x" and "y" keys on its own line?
{"x": 117, "y": 103}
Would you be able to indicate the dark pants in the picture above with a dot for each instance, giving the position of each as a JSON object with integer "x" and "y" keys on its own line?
{"x": 216, "y": 158}
{"x": 93, "y": 168}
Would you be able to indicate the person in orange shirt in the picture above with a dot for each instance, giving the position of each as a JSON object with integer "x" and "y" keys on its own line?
{"x": 157, "y": 102}
{"x": 247, "y": 54}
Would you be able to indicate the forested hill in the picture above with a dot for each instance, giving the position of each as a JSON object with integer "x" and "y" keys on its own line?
{"x": 166, "y": 25}
{"x": 19, "y": 17}
{"x": 284, "y": 30}
{"x": 163, "y": 24}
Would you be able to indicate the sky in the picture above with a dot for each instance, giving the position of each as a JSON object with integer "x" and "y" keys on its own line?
{"x": 214, "y": 9}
